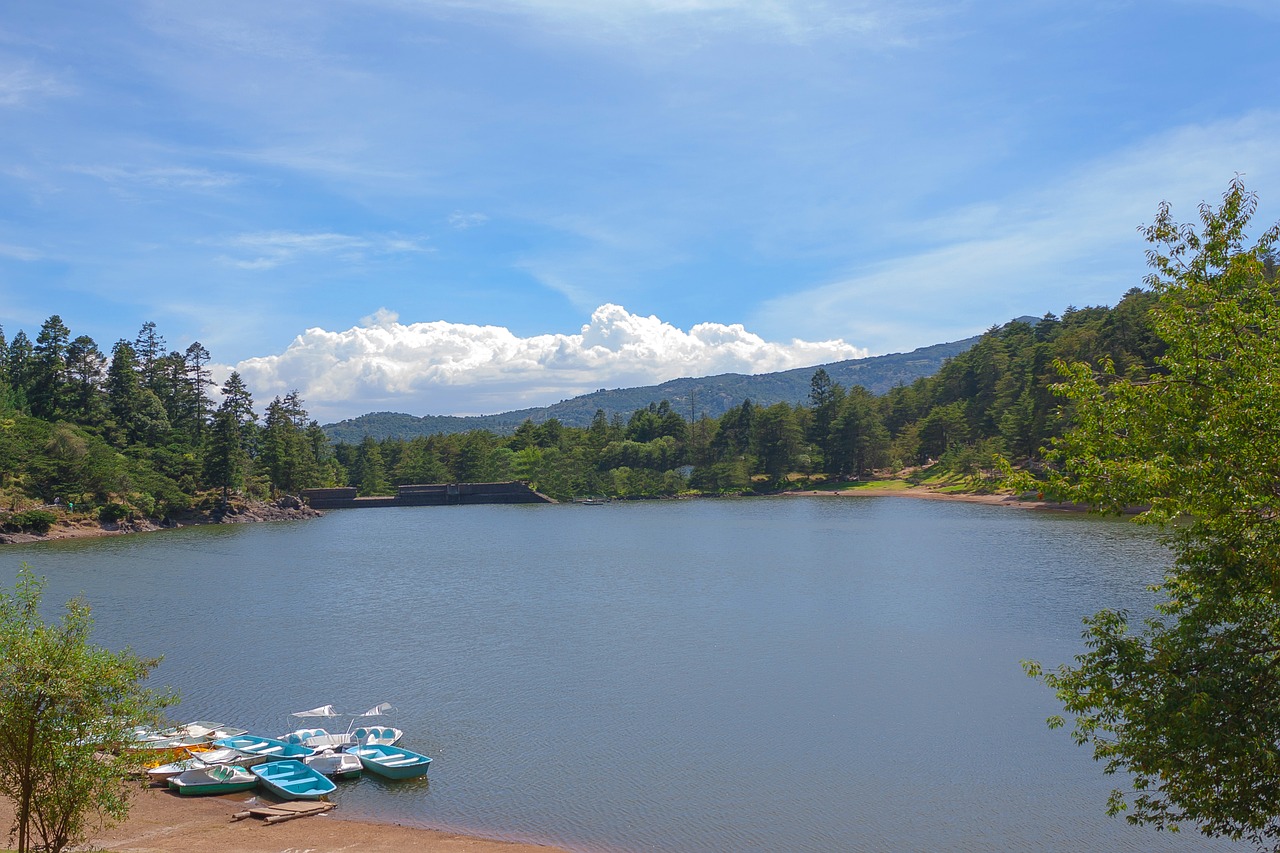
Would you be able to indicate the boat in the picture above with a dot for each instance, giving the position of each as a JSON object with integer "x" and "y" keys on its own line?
{"x": 205, "y": 758}
{"x": 293, "y": 780}
{"x": 218, "y": 779}
{"x": 377, "y": 736}
{"x": 320, "y": 739}
{"x": 392, "y": 762}
{"x": 268, "y": 747}
{"x": 335, "y": 764}
{"x": 198, "y": 733}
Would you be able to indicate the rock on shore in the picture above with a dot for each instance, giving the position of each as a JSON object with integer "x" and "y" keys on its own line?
{"x": 287, "y": 508}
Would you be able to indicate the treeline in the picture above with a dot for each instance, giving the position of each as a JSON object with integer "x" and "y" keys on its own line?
{"x": 994, "y": 399}
{"x": 138, "y": 432}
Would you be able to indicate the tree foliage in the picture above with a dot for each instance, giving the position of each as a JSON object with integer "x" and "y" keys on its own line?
{"x": 66, "y": 708}
{"x": 1187, "y": 704}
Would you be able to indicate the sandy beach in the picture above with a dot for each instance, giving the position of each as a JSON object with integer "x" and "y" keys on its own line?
{"x": 162, "y": 822}
{"x": 926, "y": 493}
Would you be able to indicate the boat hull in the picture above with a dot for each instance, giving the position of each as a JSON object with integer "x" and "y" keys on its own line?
{"x": 210, "y": 781}
{"x": 391, "y": 762}
{"x": 293, "y": 780}
{"x": 270, "y": 748}
{"x": 335, "y": 765}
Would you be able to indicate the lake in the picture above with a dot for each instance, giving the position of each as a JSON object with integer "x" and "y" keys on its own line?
{"x": 764, "y": 674}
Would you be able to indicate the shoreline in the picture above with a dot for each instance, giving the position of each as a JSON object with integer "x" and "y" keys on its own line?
{"x": 85, "y": 527}
{"x": 162, "y": 822}
{"x": 926, "y": 493}
{"x": 287, "y": 510}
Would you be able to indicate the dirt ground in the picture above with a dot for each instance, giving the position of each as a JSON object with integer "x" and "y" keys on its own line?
{"x": 162, "y": 822}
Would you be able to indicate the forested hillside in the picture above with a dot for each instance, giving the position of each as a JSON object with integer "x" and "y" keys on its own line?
{"x": 710, "y": 395}
{"x": 136, "y": 434}
{"x": 993, "y": 398}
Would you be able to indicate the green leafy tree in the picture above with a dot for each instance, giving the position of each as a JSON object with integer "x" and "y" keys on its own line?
{"x": 1187, "y": 705}
{"x": 66, "y": 708}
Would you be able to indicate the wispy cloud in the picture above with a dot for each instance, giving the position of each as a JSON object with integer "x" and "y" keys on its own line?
{"x": 24, "y": 84}
{"x": 463, "y": 221}
{"x": 160, "y": 177}
{"x": 1076, "y": 238}
{"x": 19, "y": 253}
{"x": 452, "y": 368}
{"x": 267, "y": 250}
{"x": 795, "y": 21}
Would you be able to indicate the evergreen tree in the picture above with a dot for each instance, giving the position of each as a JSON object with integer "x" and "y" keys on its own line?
{"x": 197, "y": 359}
{"x": 19, "y": 366}
{"x": 86, "y": 371}
{"x": 368, "y": 471}
{"x": 286, "y": 452}
{"x": 48, "y": 388}
{"x": 149, "y": 347}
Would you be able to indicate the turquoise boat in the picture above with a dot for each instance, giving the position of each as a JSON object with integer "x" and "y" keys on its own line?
{"x": 268, "y": 747}
{"x": 215, "y": 779}
{"x": 293, "y": 780}
{"x": 392, "y": 762}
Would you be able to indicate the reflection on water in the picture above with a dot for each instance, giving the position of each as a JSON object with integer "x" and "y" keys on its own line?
{"x": 736, "y": 675}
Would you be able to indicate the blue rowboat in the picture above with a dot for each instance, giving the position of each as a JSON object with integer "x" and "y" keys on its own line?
{"x": 216, "y": 779}
{"x": 293, "y": 780}
{"x": 268, "y": 747}
{"x": 393, "y": 762}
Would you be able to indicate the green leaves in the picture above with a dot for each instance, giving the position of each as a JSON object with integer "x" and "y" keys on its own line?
{"x": 65, "y": 710}
{"x": 1188, "y": 706}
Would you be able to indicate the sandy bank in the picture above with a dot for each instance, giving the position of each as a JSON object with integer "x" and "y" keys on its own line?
{"x": 161, "y": 822}
{"x": 925, "y": 493}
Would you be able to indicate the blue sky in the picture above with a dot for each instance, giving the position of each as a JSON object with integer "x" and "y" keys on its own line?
{"x": 454, "y": 206}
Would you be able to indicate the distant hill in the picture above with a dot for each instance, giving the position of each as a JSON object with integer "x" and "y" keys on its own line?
{"x": 711, "y": 395}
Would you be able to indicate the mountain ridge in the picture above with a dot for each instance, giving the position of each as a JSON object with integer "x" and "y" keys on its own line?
{"x": 691, "y": 397}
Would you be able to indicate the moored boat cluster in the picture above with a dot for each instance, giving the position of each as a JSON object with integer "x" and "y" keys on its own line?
{"x": 299, "y": 765}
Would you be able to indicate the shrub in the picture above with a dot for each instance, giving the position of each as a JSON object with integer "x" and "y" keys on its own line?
{"x": 113, "y": 512}
{"x": 33, "y": 520}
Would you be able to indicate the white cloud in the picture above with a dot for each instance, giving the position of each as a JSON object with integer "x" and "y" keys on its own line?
{"x": 451, "y": 368}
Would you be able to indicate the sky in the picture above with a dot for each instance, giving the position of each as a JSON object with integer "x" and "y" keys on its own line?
{"x": 473, "y": 206}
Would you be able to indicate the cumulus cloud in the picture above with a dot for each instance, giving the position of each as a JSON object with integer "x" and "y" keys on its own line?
{"x": 452, "y": 368}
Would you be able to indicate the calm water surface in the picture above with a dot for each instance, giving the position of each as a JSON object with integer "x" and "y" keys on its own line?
{"x": 740, "y": 675}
